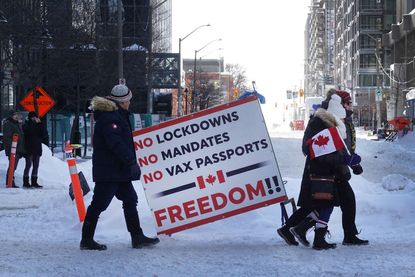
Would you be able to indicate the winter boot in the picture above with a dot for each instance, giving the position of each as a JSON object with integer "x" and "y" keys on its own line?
{"x": 284, "y": 232}
{"x": 300, "y": 231}
{"x": 14, "y": 185}
{"x": 139, "y": 240}
{"x": 88, "y": 242}
{"x": 319, "y": 241}
{"x": 26, "y": 183}
{"x": 352, "y": 239}
{"x": 34, "y": 183}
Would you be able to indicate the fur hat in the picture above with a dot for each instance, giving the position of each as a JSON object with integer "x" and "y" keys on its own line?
{"x": 31, "y": 115}
{"x": 345, "y": 96}
{"x": 120, "y": 93}
{"x": 335, "y": 107}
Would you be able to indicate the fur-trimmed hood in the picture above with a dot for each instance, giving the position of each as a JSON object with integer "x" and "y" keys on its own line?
{"x": 326, "y": 117}
{"x": 102, "y": 104}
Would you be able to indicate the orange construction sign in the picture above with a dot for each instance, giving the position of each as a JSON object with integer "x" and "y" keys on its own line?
{"x": 43, "y": 100}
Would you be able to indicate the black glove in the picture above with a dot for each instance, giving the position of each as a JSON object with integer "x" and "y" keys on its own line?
{"x": 135, "y": 172}
{"x": 357, "y": 169}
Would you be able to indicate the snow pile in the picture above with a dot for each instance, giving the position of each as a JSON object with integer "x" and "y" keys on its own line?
{"x": 395, "y": 182}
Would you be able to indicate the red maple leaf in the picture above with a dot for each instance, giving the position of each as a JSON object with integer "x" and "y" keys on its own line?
{"x": 210, "y": 179}
{"x": 321, "y": 140}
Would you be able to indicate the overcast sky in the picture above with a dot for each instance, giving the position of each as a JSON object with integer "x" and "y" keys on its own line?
{"x": 264, "y": 36}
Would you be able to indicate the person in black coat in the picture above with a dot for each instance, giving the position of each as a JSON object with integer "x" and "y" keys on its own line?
{"x": 114, "y": 166}
{"x": 317, "y": 212}
{"x": 13, "y": 126}
{"x": 348, "y": 199}
{"x": 34, "y": 132}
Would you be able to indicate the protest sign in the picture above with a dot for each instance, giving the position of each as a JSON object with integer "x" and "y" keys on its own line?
{"x": 208, "y": 166}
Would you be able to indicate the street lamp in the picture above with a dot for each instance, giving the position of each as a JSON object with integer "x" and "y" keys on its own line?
{"x": 119, "y": 40}
{"x": 194, "y": 71}
{"x": 378, "y": 94}
{"x": 179, "y": 93}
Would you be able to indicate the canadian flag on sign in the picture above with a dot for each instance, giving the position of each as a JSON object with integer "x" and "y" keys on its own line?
{"x": 325, "y": 142}
{"x": 211, "y": 179}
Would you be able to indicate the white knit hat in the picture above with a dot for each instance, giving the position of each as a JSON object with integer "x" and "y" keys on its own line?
{"x": 120, "y": 93}
{"x": 335, "y": 107}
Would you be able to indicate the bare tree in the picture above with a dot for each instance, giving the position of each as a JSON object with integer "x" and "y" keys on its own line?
{"x": 209, "y": 93}
{"x": 238, "y": 74}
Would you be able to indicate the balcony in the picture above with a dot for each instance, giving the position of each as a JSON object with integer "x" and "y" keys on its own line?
{"x": 371, "y": 8}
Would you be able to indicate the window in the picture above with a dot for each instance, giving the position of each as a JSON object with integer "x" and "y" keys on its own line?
{"x": 367, "y": 80}
{"x": 368, "y": 42}
{"x": 367, "y": 60}
{"x": 370, "y": 22}
{"x": 370, "y": 4}
{"x": 389, "y": 20}
{"x": 390, "y": 6}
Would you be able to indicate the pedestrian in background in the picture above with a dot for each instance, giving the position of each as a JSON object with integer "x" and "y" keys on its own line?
{"x": 114, "y": 166}
{"x": 34, "y": 132}
{"x": 13, "y": 126}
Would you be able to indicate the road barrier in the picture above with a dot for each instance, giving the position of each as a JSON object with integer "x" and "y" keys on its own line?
{"x": 76, "y": 185}
{"x": 12, "y": 161}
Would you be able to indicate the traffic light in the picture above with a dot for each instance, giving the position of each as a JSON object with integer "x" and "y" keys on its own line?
{"x": 235, "y": 92}
{"x": 301, "y": 92}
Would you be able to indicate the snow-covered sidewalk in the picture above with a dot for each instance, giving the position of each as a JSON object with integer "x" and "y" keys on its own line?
{"x": 40, "y": 233}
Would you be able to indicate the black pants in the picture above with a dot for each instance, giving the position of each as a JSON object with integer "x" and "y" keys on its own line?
{"x": 348, "y": 207}
{"x": 103, "y": 194}
{"x": 16, "y": 162}
{"x": 29, "y": 160}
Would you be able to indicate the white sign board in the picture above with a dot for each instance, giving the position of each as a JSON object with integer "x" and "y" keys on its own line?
{"x": 208, "y": 166}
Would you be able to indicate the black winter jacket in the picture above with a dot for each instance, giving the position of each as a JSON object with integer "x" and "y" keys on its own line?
{"x": 34, "y": 135}
{"x": 11, "y": 127}
{"x": 114, "y": 152}
{"x": 331, "y": 164}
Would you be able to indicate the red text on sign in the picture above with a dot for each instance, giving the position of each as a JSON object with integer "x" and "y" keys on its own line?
{"x": 208, "y": 204}
{"x": 151, "y": 177}
{"x": 146, "y": 160}
{"x": 147, "y": 142}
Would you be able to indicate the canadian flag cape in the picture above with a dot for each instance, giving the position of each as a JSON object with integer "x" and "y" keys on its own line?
{"x": 325, "y": 142}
